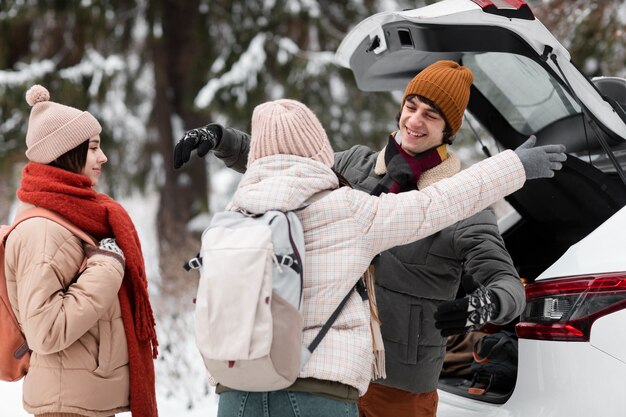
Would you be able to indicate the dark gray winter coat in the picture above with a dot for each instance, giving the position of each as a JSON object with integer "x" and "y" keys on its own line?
{"x": 412, "y": 280}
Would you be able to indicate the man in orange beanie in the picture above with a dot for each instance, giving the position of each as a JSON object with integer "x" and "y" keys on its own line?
{"x": 418, "y": 281}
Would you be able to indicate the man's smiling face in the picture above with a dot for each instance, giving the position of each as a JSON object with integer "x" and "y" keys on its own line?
{"x": 421, "y": 126}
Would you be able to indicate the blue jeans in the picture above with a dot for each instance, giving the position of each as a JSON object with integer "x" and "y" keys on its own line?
{"x": 282, "y": 404}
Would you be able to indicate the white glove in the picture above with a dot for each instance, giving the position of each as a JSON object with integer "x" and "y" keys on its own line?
{"x": 107, "y": 247}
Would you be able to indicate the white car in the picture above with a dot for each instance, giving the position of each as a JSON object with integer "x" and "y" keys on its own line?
{"x": 568, "y": 236}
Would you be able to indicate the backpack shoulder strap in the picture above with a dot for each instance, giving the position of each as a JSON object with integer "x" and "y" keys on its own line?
{"x": 361, "y": 289}
{"x": 55, "y": 217}
{"x": 60, "y": 220}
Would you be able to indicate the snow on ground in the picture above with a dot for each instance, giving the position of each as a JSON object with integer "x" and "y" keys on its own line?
{"x": 11, "y": 400}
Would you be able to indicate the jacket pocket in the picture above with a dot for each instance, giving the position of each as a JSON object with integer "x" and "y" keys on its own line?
{"x": 104, "y": 348}
{"x": 113, "y": 347}
{"x": 401, "y": 325}
{"x": 415, "y": 326}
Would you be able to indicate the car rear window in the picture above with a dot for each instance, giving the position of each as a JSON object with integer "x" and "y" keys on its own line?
{"x": 530, "y": 103}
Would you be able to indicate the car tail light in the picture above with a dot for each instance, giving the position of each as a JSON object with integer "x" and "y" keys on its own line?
{"x": 507, "y": 8}
{"x": 565, "y": 308}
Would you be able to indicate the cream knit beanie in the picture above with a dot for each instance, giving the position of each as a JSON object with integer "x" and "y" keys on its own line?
{"x": 53, "y": 128}
{"x": 288, "y": 127}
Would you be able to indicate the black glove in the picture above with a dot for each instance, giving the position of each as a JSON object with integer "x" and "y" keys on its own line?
{"x": 203, "y": 139}
{"x": 540, "y": 161}
{"x": 468, "y": 313}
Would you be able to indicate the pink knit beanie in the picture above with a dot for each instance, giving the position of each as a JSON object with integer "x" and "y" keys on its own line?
{"x": 53, "y": 128}
{"x": 288, "y": 127}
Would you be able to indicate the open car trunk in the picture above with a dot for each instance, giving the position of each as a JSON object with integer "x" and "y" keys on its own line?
{"x": 524, "y": 84}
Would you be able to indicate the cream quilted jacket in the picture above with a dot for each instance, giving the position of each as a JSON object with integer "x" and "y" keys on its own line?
{"x": 345, "y": 229}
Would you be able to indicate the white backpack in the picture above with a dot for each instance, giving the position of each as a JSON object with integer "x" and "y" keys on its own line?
{"x": 248, "y": 320}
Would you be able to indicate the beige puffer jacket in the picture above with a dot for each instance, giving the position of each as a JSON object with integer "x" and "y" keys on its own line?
{"x": 79, "y": 361}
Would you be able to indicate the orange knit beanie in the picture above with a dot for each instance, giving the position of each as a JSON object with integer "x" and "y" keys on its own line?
{"x": 53, "y": 128}
{"x": 447, "y": 84}
{"x": 288, "y": 127}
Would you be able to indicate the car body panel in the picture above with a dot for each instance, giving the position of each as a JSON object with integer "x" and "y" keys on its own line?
{"x": 605, "y": 338}
{"x": 553, "y": 382}
{"x": 599, "y": 252}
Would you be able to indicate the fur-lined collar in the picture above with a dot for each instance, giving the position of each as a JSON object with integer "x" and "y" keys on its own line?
{"x": 447, "y": 168}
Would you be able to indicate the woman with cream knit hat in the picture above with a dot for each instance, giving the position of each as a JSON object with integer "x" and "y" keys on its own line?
{"x": 84, "y": 309}
{"x": 289, "y": 161}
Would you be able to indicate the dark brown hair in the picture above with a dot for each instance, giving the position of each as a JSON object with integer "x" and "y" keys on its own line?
{"x": 73, "y": 160}
{"x": 343, "y": 181}
{"x": 447, "y": 130}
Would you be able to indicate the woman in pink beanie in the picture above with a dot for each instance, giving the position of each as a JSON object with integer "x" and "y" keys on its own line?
{"x": 290, "y": 161}
{"x": 84, "y": 310}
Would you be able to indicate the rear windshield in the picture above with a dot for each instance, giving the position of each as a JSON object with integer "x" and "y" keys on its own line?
{"x": 529, "y": 104}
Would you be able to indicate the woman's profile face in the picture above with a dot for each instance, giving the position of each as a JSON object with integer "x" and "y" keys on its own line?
{"x": 95, "y": 159}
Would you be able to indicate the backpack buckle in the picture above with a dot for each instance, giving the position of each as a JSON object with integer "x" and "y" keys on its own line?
{"x": 194, "y": 263}
{"x": 285, "y": 260}
{"x": 289, "y": 262}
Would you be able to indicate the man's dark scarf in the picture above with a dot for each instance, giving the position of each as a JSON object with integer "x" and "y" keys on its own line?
{"x": 404, "y": 170}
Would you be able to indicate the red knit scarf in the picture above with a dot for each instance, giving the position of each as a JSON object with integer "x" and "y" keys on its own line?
{"x": 72, "y": 196}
